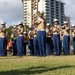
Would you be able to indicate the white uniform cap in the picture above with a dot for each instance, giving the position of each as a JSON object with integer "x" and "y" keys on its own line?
{"x": 48, "y": 24}
{"x": 65, "y": 22}
{"x": 20, "y": 23}
{"x": 55, "y": 20}
{"x": 72, "y": 25}
{"x": 14, "y": 26}
{"x": 24, "y": 32}
{"x": 3, "y": 23}
{"x": 18, "y": 27}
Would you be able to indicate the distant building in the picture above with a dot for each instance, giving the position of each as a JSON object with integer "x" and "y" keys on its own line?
{"x": 29, "y": 8}
{"x": 67, "y": 18}
{"x": 51, "y": 8}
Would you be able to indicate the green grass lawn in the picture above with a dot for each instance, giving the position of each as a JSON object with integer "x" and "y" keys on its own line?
{"x": 30, "y": 65}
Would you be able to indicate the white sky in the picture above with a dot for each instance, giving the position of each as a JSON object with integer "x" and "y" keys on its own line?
{"x": 11, "y": 10}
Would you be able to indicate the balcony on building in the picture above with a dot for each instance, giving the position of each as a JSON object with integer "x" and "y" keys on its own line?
{"x": 25, "y": 6}
{"x": 47, "y": 12}
{"x": 47, "y": 9}
{"x": 57, "y": 13}
{"x": 52, "y": 3}
{"x": 47, "y": 6}
{"x": 62, "y": 13}
{"x": 46, "y": 0}
{"x": 62, "y": 10}
{"x": 52, "y": 11}
{"x": 25, "y": 11}
{"x": 25, "y": 2}
{"x": 47, "y": 3}
{"x": 25, "y": 16}
{"x": 57, "y": 16}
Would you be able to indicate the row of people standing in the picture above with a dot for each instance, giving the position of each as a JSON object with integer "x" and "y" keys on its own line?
{"x": 41, "y": 40}
{"x": 3, "y": 41}
{"x": 19, "y": 40}
{"x": 16, "y": 37}
{"x": 54, "y": 39}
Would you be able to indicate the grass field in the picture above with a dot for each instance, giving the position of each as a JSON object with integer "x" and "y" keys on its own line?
{"x": 30, "y": 65}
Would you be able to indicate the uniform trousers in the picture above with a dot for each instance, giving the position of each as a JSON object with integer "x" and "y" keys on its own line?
{"x": 56, "y": 42}
{"x": 3, "y": 44}
{"x": 31, "y": 47}
{"x": 66, "y": 44}
{"x": 36, "y": 49}
{"x": 49, "y": 45}
{"x": 42, "y": 42}
{"x": 14, "y": 47}
{"x": 24, "y": 48}
{"x": 19, "y": 43}
{"x": 73, "y": 42}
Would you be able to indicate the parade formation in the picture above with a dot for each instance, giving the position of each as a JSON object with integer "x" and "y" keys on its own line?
{"x": 42, "y": 39}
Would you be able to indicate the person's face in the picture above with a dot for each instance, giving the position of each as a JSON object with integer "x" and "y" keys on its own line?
{"x": 3, "y": 25}
{"x": 48, "y": 26}
{"x": 65, "y": 24}
{"x": 20, "y": 26}
{"x": 55, "y": 23}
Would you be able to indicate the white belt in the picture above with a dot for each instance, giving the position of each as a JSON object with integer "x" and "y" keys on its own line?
{"x": 66, "y": 35}
{"x": 20, "y": 35}
{"x": 3, "y": 36}
{"x": 55, "y": 33}
{"x": 48, "y": 36}
{"x": 42, "y": 30}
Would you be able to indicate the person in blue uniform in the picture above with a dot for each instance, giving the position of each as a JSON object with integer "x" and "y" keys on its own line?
{"x": 41, "y": 34}
{"x": 66, "y": 39}
{"x": 20, "y": 40}
{"x": 73, "y": 37}
{"x": 56, "y": 37}
{"x": 30, "y": 41}
{"x": 35, "y": 42}
{"x": 49, "y": 41}
{"x": 3, "y": 42}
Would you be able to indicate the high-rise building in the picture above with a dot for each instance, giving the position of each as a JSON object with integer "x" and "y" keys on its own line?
{"x": 29, "y": 8}
{"x": 52, "y": 9}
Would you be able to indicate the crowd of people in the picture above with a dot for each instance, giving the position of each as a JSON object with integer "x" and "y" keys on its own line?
{"x": 42, "y": 39}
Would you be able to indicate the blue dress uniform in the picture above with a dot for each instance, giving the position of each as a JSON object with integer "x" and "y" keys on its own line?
{"x": 35, "y": 43}
{"x": 41, "y": 34}
{"x": 66, "y": 41}
{"x": 14, "y": 47}
{"x": 20, "y": 40}
{"x": 30, "y": 43}
{"x": 73, "y": 39}
{"x": 2, "y": 47}
{"x": 56, "y": 38}
{"x": 3, "y": 40}
{"x": 73, "y": 42}
{"x": 3, "y": 51}
{"x": 48, "y": 41}
{"x": 19, "y": 43}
